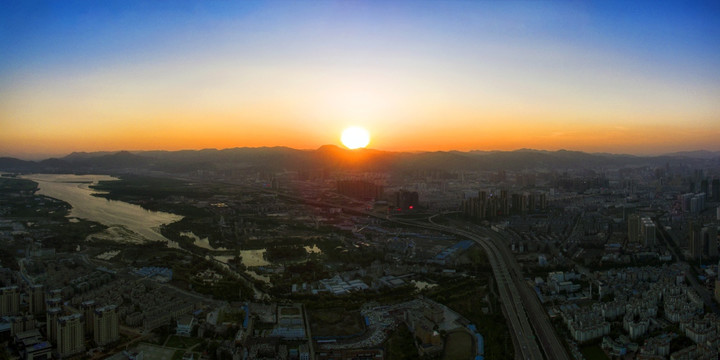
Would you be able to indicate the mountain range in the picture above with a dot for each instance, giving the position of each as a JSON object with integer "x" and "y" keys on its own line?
{"x": 335, "y": 158}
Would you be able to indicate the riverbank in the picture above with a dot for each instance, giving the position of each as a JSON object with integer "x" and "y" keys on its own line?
{"x": 127, "y": 222}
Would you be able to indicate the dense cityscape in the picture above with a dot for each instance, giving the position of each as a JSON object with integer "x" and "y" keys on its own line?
{"x": 336, "y": 263}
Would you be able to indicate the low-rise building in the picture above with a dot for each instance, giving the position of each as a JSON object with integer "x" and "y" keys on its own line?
{"x": 185, "y": 325}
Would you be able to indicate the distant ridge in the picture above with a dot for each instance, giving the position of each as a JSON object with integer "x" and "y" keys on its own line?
{"x": 697, "y": 154}
{"x": 332, "y": 157}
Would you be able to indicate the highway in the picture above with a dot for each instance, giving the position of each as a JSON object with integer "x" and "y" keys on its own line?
{"x": 552, "y": 345}
{"x": 515, "y": 295}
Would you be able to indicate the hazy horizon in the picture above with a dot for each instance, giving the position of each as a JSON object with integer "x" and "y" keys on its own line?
{"x": 62, "y": 155}
{"x": 637, "y": 78}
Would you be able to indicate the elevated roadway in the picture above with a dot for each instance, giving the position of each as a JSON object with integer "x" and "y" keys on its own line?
{"x": 526, "y": 315}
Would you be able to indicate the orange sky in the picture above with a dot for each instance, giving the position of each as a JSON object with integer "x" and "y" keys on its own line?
{"x": 418, "y": 76}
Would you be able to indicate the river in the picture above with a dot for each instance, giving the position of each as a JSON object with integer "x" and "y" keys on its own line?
{"x": 126, "y": 222}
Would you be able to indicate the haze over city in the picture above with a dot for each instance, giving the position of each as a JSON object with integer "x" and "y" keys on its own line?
{"x": 619, "y": 77}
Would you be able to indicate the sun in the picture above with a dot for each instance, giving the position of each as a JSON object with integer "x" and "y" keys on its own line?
{"x": 355, "y": 137}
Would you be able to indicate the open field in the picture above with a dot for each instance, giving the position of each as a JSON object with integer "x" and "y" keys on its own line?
{"x": 458, "y": 345}
{"x": 593, "y": 352}
{"x": 182, "y": 342}
{"x": 156, "y": 352}
{"x": 335, "y": 322}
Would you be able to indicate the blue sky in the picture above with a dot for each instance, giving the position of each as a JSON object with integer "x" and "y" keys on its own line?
{"x": 317, "y": 67}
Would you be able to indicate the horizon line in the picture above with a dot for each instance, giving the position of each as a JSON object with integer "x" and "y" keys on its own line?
{"x": 42, "y": 157}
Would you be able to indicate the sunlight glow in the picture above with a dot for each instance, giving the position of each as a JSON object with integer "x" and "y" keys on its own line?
{"x": 355, "y": 137}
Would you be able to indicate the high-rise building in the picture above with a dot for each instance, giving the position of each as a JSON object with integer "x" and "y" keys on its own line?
{"x": 53, "y": 302}
{"x": 482, "y": 195}
{"x": 685, "y": 201}
{"x": 542, "y": 201}
{"x": 88, "y": 309}
{"x": 709, "y": 239}
{"x": 21, "y": 324}
{"x": 704, "y": 186}
{"x": 697, "y": 203}
{"x": 70, "y": 335}
{"x": 696, "y": 243}
{"x": 633, "y": 228}
{"x": 106, "y": 325}
{"x": 9, "y": 300}
{"x": 716, "y": 189}
{"x": 360, "y": 189}
{"x": 51, "y": 323}
{"x": 37, "y": 299}
{"x": 531, "y": 202}
{"x": 647, "y": 231}
{"x": 504, "y": 206}
{"x": 492, "y": 207}
{"x": 406, "y": 199}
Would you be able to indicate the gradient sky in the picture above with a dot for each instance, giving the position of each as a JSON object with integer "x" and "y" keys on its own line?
{"x": 622, "y": 77}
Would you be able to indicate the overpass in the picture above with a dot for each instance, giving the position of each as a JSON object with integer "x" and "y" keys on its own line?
{"x": 525, "y": 314}
{"x": 516, "y": 296}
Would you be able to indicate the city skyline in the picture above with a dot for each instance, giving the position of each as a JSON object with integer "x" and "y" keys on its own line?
{"x": 637, "y": 78}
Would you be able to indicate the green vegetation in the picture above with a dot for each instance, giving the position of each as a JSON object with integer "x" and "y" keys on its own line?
{"x": 7, "y": 258}
{"x": 204, "y": 226}
{"x": 4, "y": 353}
{"x": 680, "y": 343}
{"x": 400, "y": 345}
{"x": 228, "y": 289}
{"x": 285, "y": 253}
{"x": 68, "y": 235}
{"x": 478, "y": 260}
{"x": 306, "y": 272}
{"x": 14, "y": 185}
{"x": 155, "y": 187}
{"x": 593, "y": 352}
{"x": 458, "y": 345}
{"x": 178, "y": 355}
{"x": 19, "y": 202}
{"x": 463, "y": 295}
{"x": 186, "y": 267}
{"x": 182, "y": 342}
{"x": 227, "y": 315}
{"x": 335, "y": 322}
{"x": 160, "y": 194}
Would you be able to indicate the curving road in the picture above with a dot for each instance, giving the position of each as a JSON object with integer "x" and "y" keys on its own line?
{"x": 514, "y": 295}
{"x": 552, "y": 345}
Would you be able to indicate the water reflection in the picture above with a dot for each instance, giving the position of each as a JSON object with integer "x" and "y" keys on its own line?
{"x": 202, "y": 243}
{"x": 422, "y": 285}
{"x": 123, "y": 218}
{"x": 250, "y": 258}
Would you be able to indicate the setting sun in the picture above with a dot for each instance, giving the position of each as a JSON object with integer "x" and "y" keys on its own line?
{"x": 355, "y": 137}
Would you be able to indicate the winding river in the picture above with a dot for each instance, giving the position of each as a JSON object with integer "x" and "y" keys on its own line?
{"x": 126, "y": 222}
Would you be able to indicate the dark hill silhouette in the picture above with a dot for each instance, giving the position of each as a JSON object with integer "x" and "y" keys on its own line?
{"x": 332, "y": 157}
{"x": 13, "y": 164}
